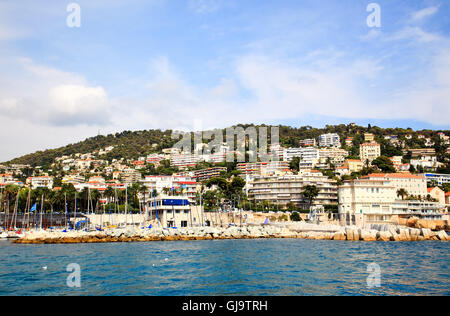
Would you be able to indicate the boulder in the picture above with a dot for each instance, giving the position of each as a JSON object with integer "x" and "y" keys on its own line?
{"x": 384, "y": 236}
{"x": 442, "y": 235}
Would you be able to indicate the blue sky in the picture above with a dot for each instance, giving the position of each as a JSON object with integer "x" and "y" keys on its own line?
{"x": 198, "y": 64}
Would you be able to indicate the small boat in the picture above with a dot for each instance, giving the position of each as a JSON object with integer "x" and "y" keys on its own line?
{"x": 3, "y": 235}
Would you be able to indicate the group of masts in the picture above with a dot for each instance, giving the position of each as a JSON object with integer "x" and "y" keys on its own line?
{"x": 33, "y": 214}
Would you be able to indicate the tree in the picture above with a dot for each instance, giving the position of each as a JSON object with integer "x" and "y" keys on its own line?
{"x": 310, "y": 192}
{"x": 402, "y": 192}
{"x": 384, "y": 164}
{"x": 295, "y": 217}
{"x": 294, "y": 163}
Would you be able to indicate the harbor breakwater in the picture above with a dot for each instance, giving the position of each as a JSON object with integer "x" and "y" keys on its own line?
{"x": 133, "y": 234}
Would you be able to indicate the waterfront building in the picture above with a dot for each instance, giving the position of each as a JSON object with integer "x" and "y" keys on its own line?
{"x": 329, "y": 140}
{"x": 180, "y": 184}
{"x": 364, "y": 201}
{"x": 368, "y": 152}
{"x": 415, "y": 185}
{"x": 171, "y": 211}
{"x": 282, "y": 190}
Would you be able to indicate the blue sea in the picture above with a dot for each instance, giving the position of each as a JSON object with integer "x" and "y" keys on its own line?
{"x": 228, "y": 267}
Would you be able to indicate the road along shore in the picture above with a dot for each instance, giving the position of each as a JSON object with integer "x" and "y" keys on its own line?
{"x": 133, "y": 234}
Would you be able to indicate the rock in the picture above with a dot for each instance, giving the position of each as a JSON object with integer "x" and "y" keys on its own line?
{"x": 384, "y": 236}
{"x": 369, "y": 235}
{"x": 339, "y": 235}
{"x": 442, "y": 235}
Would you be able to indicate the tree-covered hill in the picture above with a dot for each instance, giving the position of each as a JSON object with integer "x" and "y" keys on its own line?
{"x": 130, "y": 145}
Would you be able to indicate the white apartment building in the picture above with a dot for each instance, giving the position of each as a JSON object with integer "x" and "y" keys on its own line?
{"x": 287, "y": 189}
{"x": 308, "y": 142}
{"x": 40, "y": 182}
{"x": 130, "y": 176}
{"x": 184, "y": 184}
{"x": 366, "y": 200}
{"x": 73, "y": 178}
{"x": 437, "y": 177}
{"x": 336, "y": 155}
{"x": 329, "y": 140}
{"x": 414, "y": 184}
{"x": 6, "y": 178}
{"x": 185, "y": 160}
{"x": 369, "y": 152}
{"x": 262, "y": 168}
{"x": 426, "y": 162}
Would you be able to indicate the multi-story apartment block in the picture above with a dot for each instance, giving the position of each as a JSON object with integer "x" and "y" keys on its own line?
{"x": 182, "y": 184}
{"x": 369, "y": 152}
{"x": 366, "y": 200}
{"x": 262, "y": 168}
{"x": 308, "y": 142}
{"x": 438, "y": 178}
{"x": 73, "y": 178}
{"x": 185, "y": 160}
{"x": 329, "y": 140}
{"x": 282, "y": 190}
{"x": 428, "y": 163}
{"x": 206, "y": 174}
{"x": 415, "y": 185}
{"x": 419, "y": 152}
{"x": 130, "y": 176}
{"x": 335, "y": 155}
{"x": 40, "y": 182}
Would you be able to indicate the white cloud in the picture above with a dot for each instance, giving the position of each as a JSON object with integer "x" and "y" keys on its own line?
{"x": 48, "y": 96}
{"x": 204, "y": 6}
{"x": 415, "y": 33}
{"x": 424, "y": 13}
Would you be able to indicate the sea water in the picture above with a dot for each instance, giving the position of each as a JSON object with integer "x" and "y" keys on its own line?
{"x": 228, "y": 267}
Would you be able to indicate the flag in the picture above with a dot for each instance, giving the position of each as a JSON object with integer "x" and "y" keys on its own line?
{"x": 33, "y": 208}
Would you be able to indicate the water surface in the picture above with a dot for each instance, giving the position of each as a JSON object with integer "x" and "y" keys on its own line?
{"x": 227, "y": 267}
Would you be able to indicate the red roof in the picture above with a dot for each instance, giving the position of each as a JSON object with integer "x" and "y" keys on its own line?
{"x": 393, "y": 175}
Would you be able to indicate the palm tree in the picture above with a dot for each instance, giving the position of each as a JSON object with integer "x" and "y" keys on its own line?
{"x": 402, "y": 192}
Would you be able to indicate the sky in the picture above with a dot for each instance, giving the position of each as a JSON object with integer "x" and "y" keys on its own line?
{"x": 201, "y": 64}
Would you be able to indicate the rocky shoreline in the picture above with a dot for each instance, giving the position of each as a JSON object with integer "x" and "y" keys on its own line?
{"x": 131, "y": 234}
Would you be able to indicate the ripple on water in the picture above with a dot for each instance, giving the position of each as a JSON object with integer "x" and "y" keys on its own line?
{"x": 227, "y": 267}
